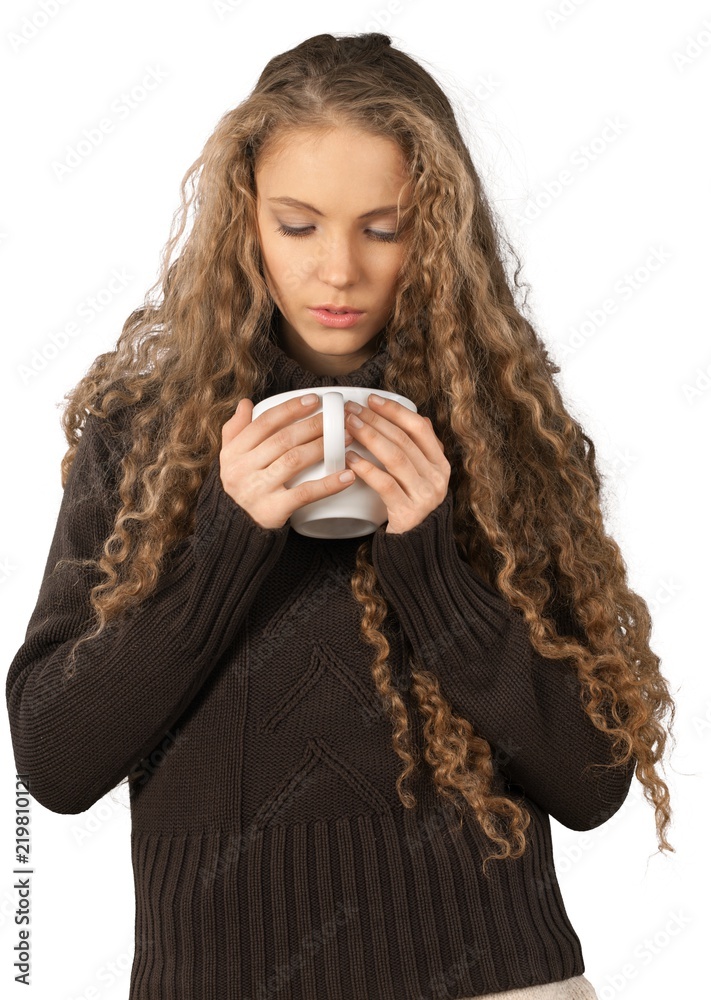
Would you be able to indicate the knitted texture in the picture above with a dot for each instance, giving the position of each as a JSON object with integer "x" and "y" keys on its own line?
{"x": 271, "y": 854}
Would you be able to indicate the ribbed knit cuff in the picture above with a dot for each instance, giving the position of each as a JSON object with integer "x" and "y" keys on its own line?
{"x": 436, "y": 594}
{"x": 478, "y": 645}
{"x": 217, "y": 511}
{"x": 224, "y": 531}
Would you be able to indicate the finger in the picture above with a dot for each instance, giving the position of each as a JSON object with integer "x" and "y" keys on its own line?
{"x": 274, "y": 418}
{"x": 303, "y": 450}
{"x": 317, "y": 489}
{"x": 239, "y": 419}
{"x": 393, "y": 447}
{"x": 389, "y": 490}
{"x": 280, "y": 429}
{"x": 385, "y": 417}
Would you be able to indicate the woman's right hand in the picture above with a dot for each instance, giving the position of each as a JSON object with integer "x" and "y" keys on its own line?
{"x": 258, "y": 456}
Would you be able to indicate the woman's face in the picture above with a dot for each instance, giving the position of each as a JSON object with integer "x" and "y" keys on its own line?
{"x": 346, "y": 255}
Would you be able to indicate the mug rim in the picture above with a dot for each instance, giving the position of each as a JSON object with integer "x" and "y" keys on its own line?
{"x": 280, "y": 397}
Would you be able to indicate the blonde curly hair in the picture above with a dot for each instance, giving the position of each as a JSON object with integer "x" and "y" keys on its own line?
{"x": 527, "y": 493}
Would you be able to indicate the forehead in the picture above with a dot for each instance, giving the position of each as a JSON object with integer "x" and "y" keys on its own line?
{"x": 342, "y": 164}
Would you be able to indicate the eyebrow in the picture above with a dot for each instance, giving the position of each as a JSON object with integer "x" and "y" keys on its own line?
{"x": 302, "y": 204}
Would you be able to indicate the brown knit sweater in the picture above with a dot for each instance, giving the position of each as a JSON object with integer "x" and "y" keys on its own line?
{"x": 271, "y": 854}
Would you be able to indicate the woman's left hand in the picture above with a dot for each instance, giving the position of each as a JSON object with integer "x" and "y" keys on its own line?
{"x": 416, "y": 475}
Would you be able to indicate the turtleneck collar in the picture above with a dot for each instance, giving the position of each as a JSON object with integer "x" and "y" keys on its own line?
{"x": 287, "y": 374}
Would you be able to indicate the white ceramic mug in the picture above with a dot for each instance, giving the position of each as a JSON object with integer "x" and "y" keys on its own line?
{"x": 357, "y": 510}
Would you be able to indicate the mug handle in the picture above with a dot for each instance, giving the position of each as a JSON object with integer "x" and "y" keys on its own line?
{"x": 334, "y": 448}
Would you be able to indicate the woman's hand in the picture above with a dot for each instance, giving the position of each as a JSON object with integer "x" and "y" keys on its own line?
{"x": 259, "y": 456}
{"x": 416, "y": 475}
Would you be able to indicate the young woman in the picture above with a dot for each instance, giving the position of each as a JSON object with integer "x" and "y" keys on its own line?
{"x": 342, "y": 755}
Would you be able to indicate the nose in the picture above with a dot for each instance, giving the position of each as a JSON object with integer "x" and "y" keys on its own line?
{"x": 338, "y": 263}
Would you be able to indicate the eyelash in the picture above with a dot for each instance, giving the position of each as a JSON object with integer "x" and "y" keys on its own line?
{"x": 380, "y": 237}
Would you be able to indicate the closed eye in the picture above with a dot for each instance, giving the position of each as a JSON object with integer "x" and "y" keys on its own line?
{"x": 381, "y": 237}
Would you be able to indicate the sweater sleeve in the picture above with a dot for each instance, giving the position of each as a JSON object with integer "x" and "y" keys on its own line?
{"x": 77, "y": 738}
{"x": 528, "y": 708}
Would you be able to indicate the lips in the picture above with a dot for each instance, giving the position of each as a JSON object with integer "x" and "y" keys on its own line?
{"x": 329, "y": 307}
{"x": 337, "y": 320}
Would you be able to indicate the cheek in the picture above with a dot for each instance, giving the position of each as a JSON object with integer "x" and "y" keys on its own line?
{"x": 277, "y": 259}
{"x": 389, "y": 271}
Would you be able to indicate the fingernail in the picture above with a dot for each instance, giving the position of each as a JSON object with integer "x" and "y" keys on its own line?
{"x": 378, "y": 400}
{"x": 309, "y": 398}
{"x": 353, "y": 456}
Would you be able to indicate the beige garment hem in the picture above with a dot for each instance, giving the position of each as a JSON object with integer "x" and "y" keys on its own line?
{"x": 577, "y": 988}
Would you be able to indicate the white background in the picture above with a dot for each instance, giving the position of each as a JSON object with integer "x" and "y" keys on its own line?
{"x": 535, "y": 84}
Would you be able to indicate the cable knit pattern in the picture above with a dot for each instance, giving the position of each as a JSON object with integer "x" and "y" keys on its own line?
{"x": 271, "y": 854}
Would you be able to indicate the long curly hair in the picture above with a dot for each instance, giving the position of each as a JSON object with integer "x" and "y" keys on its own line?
{"x": 527, "y": 493}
